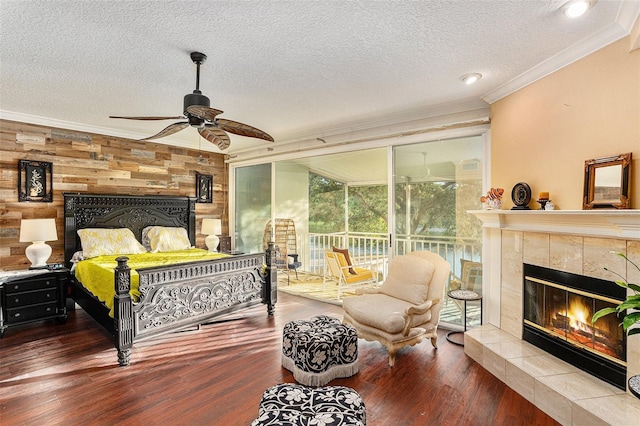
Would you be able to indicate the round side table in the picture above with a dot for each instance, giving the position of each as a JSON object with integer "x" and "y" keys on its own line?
{"x": 634, "y": 385}
{"x": 464, "y": 296}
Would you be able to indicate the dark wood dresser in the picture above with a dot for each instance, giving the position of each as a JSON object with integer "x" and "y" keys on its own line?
{"x": 27, "y": 296}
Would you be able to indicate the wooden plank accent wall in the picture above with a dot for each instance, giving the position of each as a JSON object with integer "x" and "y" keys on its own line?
{"x": 97, "y": 164}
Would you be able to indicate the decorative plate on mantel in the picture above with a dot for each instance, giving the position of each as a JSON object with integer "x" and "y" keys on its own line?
{"x": 521, "y": 196}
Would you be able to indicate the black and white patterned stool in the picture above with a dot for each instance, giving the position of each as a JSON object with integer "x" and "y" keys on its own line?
{"x": 319, "y": 350}
{"x": 293, "y": 404}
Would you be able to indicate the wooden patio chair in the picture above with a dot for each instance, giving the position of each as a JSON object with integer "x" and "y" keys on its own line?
{"x": 336, "y": 267}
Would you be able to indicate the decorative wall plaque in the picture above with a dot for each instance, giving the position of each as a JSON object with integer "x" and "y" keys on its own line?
{"x": 204, "y": 188}
{"x": 35, "y": 181}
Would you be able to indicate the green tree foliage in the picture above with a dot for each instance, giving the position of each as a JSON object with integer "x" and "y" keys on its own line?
{"x": 326, "y": 205}
{"x": 368, "y": 209}
{"x": 432, "y": 208}
{"x": 468, "y": 198}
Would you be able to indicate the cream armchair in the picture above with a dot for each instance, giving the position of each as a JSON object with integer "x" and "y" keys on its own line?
{"x": 405, "y": 309}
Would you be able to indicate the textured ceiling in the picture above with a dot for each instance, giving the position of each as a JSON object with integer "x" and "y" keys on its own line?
{"x": 295, "y": 69}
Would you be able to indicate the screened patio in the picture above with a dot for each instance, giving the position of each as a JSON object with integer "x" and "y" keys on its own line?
{"x": 401, "y": 177}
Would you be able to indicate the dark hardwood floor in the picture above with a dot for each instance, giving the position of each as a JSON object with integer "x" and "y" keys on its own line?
{"x": 53, "y": 374}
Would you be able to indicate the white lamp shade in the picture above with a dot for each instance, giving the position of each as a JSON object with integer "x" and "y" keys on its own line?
{"x": 211, "y": 226}
{"x": 32, "y": 230}
{"x": 38, "y": 231}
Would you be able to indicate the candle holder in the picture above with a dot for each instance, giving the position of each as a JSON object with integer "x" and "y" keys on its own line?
{"x": 543, "y": 202}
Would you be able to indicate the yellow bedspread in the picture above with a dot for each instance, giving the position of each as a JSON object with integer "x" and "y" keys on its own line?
{"x": 96, "y": 274}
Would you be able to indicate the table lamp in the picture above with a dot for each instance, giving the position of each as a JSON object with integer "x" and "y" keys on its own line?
{"x": 212, "y": 228}
{"x": 37, "y": 231}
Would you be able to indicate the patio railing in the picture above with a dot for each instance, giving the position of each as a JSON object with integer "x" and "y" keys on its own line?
{"x": 372, "y": 250}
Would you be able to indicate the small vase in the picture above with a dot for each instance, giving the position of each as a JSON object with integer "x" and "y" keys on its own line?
{"x": 494, "y": 204}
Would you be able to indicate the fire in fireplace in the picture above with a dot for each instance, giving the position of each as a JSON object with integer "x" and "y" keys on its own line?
{"x": 558, "y": 307}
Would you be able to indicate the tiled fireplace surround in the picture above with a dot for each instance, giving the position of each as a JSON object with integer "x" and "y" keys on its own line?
{"x": 579, "y": 242}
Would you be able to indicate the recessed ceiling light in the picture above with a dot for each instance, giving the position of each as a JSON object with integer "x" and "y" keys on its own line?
{"x": 577, "y": 8}
{"x": 471, "y": 78}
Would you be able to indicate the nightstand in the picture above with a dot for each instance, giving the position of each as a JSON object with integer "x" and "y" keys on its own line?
{"x": 33, "y": 295}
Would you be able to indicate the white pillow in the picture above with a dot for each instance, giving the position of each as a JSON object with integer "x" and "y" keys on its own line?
{"x": 103, "y": 241}
{"x": 163, "y": 238}
{"x": 408, "y": 279}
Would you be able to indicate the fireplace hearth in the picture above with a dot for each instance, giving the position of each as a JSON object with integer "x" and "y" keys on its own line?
{"x": 558, "y": 307}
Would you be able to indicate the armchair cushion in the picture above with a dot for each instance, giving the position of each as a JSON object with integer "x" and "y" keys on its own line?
{"x": 345, "y": 259}
{"x": 408, "y": 279}
{"x": 382, "y": 312}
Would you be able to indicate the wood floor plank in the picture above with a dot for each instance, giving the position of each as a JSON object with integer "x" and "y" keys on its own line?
{"x": 53, "y": 374}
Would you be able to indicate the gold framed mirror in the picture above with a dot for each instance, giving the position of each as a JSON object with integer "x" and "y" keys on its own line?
{"x": 606, "y": 182}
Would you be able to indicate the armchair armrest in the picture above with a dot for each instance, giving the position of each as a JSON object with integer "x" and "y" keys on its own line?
{"x": 416, "y": 310}
{"x": 422, "y": 308}
{"x": 345, "y": 269}
{"x": 364, "y": 290}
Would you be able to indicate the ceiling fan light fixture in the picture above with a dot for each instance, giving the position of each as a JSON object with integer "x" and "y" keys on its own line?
{"x": 577, "y": 8}
{"x": 471, "y": 78}
{"x": 200, "y": 115}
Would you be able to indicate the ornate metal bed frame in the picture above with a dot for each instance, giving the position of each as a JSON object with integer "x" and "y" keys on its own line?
{"x": 172, "y": 297}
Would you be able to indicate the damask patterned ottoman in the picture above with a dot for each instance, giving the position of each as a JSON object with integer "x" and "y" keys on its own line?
{"x": 319, "y": 350}
{"x": 293, "y": 404}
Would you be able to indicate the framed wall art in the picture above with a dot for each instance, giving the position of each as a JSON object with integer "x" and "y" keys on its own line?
{"x": 606, "y": 182}
{"x": 204, "y": 188}
{"x": 35, "y": 181}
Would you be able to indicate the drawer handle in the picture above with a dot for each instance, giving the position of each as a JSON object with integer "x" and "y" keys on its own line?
{"x": 17, "y": 300}
{"x": 17, "y": 314}
{"x": 48, "y": 309}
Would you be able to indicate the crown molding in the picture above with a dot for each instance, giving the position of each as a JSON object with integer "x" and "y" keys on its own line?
{"x": 627, "y": 16}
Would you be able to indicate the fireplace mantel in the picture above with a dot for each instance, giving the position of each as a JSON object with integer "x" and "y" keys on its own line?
{"x": 598, "y": 223}
{"x": 509, "y": 242}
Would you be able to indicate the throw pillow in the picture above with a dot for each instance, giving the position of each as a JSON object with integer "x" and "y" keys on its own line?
{"x": 104, "y": 241}
{"x": 163, "y": 239}
{"x": 408, "y": 279}
{"x": 345, "y": 252}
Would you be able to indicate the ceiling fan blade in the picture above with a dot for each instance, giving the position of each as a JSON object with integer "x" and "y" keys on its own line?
{"x": 148, "y": 118}
{"x": 242, "y": 129}
{"x": 216, "y": 136}
{"x": 169, "y": 130}
{"x": 204, "y": 112}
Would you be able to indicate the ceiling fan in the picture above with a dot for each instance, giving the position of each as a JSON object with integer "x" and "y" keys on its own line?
{"x": 198, "y": 114}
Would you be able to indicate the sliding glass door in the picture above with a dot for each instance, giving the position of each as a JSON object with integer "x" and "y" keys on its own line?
{"x": 252, "y": 206}
{"x": 349, "y": 199}
{"x": 434, "y": 184}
